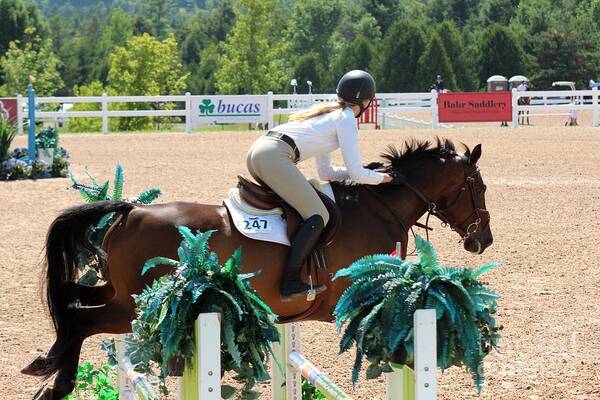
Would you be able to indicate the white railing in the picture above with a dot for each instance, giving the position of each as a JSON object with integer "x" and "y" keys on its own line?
{"x": 542, "y": 103}
{"x": 281, "y": 104}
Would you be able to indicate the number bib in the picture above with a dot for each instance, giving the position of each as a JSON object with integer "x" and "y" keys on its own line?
{"x": 256, "y": 225}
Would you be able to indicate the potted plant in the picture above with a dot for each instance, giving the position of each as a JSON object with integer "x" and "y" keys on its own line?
{"x": 7, "y": 133}
{"x": 45, "y": 143}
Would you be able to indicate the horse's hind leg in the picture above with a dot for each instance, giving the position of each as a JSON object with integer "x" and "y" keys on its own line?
{"x": 88, "y": 296}
{"x": 92, "y": 295}
{"x": 113, "y": 317}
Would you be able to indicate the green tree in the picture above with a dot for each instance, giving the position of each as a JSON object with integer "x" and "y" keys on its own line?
{"x": 458, "y": 11}
{"x": 35, "y": 58}
{"x": 310, "y": 26}
{"x": 435, "y": 61}
{"x": 82, "y": 55}
{"x": 358, "y": 54}
{"x": 15, "y": 18}
{"x": 499, "y": 54}
{"x": 566, "y": 53}
{"x": 145, "y": 67}
{"x": 202, "y": 74}
{"x": 158, "y": 12}
{"x": 95, "y": 88}
{"x": 497, "y": 12}
{"x": 453, "y": 44}
{"x": 401, "y": 50}
{"x": 252, "y": 60}
{"x": 221, "y": 20}
{"x": 308, "y": 67}
{"x": 385, "y": 12}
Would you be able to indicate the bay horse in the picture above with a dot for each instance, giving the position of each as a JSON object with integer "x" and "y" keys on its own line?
{"x": 433, "y": 178}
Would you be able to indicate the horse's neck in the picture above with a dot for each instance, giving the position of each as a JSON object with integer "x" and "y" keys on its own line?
{"x": 374, "y": 203}
{"x": 402, "y": 201}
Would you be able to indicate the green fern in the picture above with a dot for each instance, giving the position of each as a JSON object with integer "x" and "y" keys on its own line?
{"x": 166, "y": 311}
{"x": 377, "y": 310}
{"x": 91, "y": 268}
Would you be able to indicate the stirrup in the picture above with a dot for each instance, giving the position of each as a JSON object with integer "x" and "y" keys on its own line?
{"x": 311, "y": 292}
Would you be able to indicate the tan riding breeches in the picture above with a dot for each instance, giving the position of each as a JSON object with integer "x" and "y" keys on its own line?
{"x": 271, "y": 161}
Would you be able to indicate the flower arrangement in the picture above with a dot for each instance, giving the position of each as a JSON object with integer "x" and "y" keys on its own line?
{"x": 52, "y": 160}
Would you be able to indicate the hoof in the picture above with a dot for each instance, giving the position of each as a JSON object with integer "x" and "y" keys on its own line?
{"x": 39, "y": 366}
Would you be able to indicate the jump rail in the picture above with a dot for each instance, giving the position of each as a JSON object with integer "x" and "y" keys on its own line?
{"x": 201, "y": 380}
{"x": 402, "y": 384}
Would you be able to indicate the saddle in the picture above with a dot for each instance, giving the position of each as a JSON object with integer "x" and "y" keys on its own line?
{"x": 263, "y": 198}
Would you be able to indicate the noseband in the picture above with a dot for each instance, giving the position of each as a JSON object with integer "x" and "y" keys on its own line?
{"x": 432, "y": 208}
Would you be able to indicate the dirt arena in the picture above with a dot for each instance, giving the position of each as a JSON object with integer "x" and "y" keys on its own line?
{"x": 544, "y": 199}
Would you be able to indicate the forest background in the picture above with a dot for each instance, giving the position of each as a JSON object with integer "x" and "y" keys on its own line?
{"x": 135, "y": 47}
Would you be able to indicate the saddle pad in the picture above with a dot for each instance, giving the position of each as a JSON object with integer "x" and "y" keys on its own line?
{"x": 265, "y": 225}
{"x": 269, "y": 228}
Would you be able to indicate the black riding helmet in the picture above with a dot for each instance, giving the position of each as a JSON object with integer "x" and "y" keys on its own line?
{"x": 356, "y": 86}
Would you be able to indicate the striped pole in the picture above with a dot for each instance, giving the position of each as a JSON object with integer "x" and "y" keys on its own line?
{"x": 318, "y": 379}
{"x": 132, "y": 384}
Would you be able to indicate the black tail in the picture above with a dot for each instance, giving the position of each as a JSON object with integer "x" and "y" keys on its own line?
{"x": 66, "y": 239}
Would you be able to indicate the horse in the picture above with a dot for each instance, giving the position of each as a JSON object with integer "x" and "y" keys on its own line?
{"x": 523, "y": 101}
{"x": 433, "y": 179}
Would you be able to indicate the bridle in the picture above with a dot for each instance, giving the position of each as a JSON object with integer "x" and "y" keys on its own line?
{"x": 476, "y": 213}
{"x": 432, "y": 208}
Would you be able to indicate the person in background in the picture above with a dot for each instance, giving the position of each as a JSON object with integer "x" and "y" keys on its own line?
{"x": 522, "y": 87}
{"x": 438, "y": 85}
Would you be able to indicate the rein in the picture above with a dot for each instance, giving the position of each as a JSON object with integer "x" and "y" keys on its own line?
{"x": 432, "y": 208}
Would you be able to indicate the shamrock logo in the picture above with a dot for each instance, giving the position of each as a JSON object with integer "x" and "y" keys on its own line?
{"x": 207, "y": 107}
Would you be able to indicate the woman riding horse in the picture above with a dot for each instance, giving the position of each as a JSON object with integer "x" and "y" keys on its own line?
{"x": 314, "y": 133}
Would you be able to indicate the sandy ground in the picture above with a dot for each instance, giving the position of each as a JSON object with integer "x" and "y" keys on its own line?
{"x": 544, "y": 199}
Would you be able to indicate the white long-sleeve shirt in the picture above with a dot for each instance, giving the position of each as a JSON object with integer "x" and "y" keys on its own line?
{"x": 319, "y": 136}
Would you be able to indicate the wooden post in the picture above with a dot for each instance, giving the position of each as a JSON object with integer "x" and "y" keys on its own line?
{"x": 202, "y": 379}
{"x": 435, "y": 116}
{"x": 104, "y": 113}
{"x": 286, "y": 383}
{"x": 515, "y": 108}
{"x": 595, "y": 105}
{"x": 270, "y": 111}
{"x": 188, "y": 112}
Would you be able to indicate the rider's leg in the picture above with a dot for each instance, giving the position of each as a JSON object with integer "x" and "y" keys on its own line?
{"x": 272, "y": 161}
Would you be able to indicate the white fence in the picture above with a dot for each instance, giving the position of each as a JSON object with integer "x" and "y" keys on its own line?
{"x": 556, "y": 102}
{"x": 205, "y": 110}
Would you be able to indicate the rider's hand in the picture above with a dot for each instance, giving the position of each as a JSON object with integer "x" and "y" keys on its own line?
{"x": 387, "y": 178}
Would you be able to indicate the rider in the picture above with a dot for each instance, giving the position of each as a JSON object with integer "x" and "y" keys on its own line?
{"x": 315, "y": 132}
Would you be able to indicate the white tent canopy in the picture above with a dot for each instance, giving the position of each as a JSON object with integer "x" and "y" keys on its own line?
{"x": 497, "y": 78}
{"x": 518, "y": 78}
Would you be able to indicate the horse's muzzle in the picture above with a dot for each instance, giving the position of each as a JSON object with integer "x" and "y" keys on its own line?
{"x": 476, "y": 245}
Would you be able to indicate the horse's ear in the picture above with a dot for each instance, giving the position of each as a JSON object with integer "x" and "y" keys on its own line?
{"x": 475, "y": 154}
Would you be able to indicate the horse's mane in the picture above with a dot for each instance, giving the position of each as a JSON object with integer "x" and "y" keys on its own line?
{"x": 415, "y": 150}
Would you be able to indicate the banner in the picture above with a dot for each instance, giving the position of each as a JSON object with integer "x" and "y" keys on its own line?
{"x": 475, "y": 107}
{"x": 229, "y": 109}
{"x": 8, "y": 109}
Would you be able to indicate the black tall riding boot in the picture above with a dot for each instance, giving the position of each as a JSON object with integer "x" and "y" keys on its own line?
{"x": 302, "y": 245}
